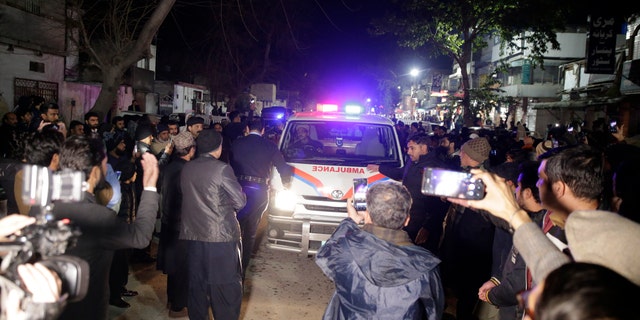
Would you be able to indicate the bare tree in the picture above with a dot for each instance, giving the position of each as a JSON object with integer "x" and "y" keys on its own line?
{"x": 115, "y": 35}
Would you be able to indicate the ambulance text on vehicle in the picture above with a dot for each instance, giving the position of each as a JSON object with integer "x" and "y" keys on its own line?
{"x": 302, "y": 217}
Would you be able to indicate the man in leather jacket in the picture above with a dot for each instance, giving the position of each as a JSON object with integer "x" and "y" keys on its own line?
{"x": 211, "y": 197}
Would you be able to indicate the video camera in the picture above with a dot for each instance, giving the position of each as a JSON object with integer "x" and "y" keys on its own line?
{"x": 47, "y": 240}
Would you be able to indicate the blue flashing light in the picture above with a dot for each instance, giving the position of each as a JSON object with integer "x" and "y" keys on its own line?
{"x": 353, "y": 109}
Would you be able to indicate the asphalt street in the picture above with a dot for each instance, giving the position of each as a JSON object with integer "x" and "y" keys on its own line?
{"x": 280, "y": 285}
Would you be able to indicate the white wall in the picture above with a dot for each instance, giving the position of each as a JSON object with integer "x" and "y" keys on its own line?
{"x": 16, "y": 65}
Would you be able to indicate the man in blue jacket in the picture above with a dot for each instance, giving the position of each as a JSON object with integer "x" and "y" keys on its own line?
{"x": 378, "y": 272}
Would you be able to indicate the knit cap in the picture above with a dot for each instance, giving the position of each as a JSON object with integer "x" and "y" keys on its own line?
{"x": 477, "y": 149}
{"x": 114, "y": 141}
{"x": 194, "y": 120}
{"x": 208, "y": 140}
{"x": 183, "y": 140}
{"x": 162, "y": 127}
{"x": 143, "y": 131}
{"x": 543, "y": 147}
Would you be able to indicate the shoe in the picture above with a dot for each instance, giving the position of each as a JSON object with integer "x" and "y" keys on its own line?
{"x": 129, "y": 293}
{"x": 178, "y": 314}
{"x": 119, "y": 303}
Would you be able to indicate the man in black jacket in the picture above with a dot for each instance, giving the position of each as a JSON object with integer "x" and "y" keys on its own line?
{"x": 253, "y": 157}
{"x": 211, "y": 197}
{"x": 102, "y": 231}
{"x": 427, "y": 212}
{"x": 172, "y": 252}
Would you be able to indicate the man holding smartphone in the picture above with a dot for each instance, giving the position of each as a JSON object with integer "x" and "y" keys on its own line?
{"x": 378, "y": 272}
{"x": 467, "y": 240}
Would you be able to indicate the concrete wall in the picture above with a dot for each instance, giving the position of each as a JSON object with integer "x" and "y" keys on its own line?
{"x": 16, "y": 65}
{"x": 78, "y": 98}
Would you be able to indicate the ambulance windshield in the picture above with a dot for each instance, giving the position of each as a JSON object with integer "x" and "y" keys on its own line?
{"x": 344, "y": 143}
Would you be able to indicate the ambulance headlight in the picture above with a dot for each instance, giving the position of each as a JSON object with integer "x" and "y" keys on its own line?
{"x": 285, "y": 200}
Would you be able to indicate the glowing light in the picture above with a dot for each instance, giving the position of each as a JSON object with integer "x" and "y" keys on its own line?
{"x": 285, "y": 200}
{"x": 327, "y": 107}
{"x": 352, "y": 109}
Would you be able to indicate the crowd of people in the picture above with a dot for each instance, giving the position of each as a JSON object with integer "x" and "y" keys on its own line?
{"x": 549, "y": 240}
{"x": 551, "y": 237}
{"x": 138, "y": 168}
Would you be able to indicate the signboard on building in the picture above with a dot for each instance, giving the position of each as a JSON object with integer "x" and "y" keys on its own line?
{"x": 526, "y": 71}
{"x": 601, "y": 45}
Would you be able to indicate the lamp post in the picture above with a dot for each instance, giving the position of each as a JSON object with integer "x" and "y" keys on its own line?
{"x": 414, "y": 75}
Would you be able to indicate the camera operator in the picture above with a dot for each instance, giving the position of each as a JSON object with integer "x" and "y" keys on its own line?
{"x": 102, "y": 231}
{"x": 42, "y": 284}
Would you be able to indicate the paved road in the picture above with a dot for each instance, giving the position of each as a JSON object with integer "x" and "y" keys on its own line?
{"x": 283, "y": 285}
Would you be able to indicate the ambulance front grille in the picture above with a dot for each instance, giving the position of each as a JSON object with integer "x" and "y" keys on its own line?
{"x": 315, "y": 207}
{"x": 321, "y": 198}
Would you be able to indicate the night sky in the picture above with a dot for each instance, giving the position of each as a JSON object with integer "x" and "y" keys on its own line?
{"x": 338, "y": 52}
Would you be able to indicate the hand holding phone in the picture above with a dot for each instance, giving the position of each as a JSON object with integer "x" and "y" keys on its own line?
{"x": 451, "y": 184}
{"x": 613, "y": 126}
{"x": 360, "y": 194}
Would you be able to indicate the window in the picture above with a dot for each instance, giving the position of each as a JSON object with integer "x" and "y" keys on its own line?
{"x": 36, "y": 66}
{"x": 336, "y": 142}
{"x": 32, "y": 6}
{"x": 27, "y": 87}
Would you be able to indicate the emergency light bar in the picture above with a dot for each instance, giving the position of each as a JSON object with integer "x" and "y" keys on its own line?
{"x": 327, "y": 107}
{"x": 353, "y": 109}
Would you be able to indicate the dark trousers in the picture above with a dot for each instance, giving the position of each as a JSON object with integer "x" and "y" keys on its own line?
{"x": 178, "y": 276}
{"x": 249, "y": 219}
{"x": 178, "y": 290}
{"x": 215, "y": 280}
{"x": 119, "y": 273}
{"x": 173, "y": 260}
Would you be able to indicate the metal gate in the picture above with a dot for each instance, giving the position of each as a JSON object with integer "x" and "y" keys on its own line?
{"x": 26, "y": 87}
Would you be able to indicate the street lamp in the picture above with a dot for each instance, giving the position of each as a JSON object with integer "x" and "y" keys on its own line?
{"x": 414, "y": 74}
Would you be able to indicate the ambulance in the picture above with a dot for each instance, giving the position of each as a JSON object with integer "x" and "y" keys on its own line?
{"x": 327, "y": 150}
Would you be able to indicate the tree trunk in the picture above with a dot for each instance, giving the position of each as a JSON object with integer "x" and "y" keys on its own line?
{"x": 467, "y": 115}
{"x": 113, "y": 69}
{"x": 111, "y": 80}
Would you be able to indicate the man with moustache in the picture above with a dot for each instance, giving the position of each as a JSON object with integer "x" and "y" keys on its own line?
{"x": 427, "y": 212}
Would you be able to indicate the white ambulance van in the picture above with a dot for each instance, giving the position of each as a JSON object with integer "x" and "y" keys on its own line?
{"x": 327, "y": 151}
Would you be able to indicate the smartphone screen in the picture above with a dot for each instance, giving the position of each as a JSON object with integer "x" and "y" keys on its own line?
{"x": 360, "y": 194}
{"x": 451, "y": 184}
{"x": 613, "y": 126}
